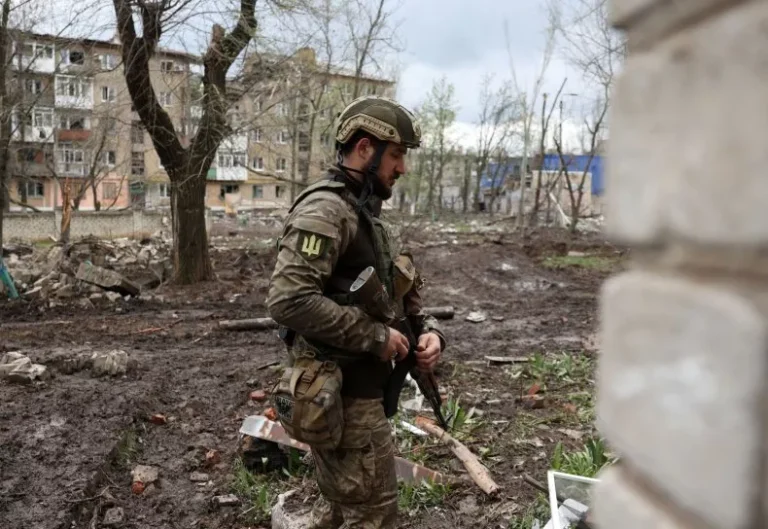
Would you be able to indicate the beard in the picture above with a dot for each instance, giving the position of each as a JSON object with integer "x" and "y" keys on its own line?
{"x": 380, "y": 189}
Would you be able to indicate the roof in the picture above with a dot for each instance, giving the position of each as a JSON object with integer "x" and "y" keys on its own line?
{"x": 114, "y": 44}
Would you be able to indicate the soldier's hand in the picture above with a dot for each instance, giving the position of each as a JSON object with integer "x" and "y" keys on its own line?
{"x": 428, "y": 352}
{"x": 397, "y": 346}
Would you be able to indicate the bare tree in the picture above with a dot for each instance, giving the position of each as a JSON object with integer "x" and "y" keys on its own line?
{"x": 5, "y": 117}
{"x": 546, "y": 115}
{"x": 593, "y": 124}
{"x": 186, "y": 167}
{"x": 527, "y": 103}
{"x": 495, "y": 120}
{"x": 438, "y": 113}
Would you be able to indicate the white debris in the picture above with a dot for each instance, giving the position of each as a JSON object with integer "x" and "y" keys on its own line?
{"x": 476, "y": 317}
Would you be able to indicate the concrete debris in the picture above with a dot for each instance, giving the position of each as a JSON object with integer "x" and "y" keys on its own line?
{"x": 18, "y": 368}
{"x": 228, "y": 499}
{"x": 199, "y": 477}
{"x": 113, "y": 517}
{"x": 112, "y": 363}
{"x": 107, "y": 279}
{"x": 145, "y": 474}
{"x": 120, "y": 268}
{"x": 282, "y": 519}
{"x": 476, "y": 317}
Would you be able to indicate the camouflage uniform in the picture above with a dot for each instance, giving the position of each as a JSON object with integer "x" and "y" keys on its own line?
{"x": 326, "y": 242}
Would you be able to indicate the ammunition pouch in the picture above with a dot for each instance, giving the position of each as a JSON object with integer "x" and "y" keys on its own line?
{"x": 308, "y": 402}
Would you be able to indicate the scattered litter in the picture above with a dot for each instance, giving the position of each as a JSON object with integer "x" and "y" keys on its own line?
{"x": 199, "y": 477}
{"x": 18, "y": 368}
{"x": 413, "y": 429}
{"x": 112, "y": 363}
{"x": 113, "y": 517}
{"x": 228, "y": 499}
{"x": 145, "y": 474}
{"x": 476, "y": 317}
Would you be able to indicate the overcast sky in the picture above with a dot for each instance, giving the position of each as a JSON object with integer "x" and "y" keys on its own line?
{"x": 464, "y": 40}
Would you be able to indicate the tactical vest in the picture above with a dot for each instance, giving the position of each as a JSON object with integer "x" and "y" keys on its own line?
{"x": 364, "y": 375}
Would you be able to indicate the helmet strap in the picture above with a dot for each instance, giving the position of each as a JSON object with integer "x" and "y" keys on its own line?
{"x": 369, "y": 176}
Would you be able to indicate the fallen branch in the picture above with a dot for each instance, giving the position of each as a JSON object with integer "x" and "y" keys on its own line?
{"x": 256, "y": 324}
{"x": 477, "y": 471}
{"x": 494, "y": 360}
{"x": 262, "y": 324}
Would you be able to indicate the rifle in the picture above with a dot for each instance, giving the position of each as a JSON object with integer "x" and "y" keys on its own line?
{"x": 373, "y": 296}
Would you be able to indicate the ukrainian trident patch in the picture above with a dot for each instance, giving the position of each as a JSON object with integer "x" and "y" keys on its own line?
{"x": 311, "y": 245}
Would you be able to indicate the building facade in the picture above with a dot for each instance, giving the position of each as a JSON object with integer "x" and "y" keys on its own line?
{"x": 76, "y": 135}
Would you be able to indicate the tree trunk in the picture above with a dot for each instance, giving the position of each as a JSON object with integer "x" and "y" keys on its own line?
{"x": 5, "y": 121}
{"x": 66, "y": 211}
{"x": 190, "y": 239}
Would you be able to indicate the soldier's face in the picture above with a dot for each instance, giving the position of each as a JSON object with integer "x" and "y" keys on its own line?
{"x": 391, "y": 168}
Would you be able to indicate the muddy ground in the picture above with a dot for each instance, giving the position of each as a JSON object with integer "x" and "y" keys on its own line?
{"x": 68, "y": 444}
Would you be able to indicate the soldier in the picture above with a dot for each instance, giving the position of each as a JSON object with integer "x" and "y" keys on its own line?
{"x": 331, "y": 234}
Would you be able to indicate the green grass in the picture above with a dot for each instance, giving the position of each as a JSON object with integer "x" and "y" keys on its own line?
{"x": 259, "y": 491}
{"x": 128, "y": 447}
{"x": 412, "y": 498}
{"x": 592, "y": 262}
{"x": 539, "y": 510}
{"x": 586, "y": 462}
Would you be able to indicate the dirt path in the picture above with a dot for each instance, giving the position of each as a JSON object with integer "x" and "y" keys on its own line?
{"x": 69, "y": 443}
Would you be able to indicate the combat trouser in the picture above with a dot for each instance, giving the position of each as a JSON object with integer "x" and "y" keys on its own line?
{"x": 358, "y": 480}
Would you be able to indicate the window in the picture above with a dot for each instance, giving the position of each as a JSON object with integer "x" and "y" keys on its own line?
{"x": 108, "y": 61}
{"x": 238, "y": 160}
{"x": 109, "y": 191}
{"x": 137, "y": 163}
{"x": 164, "y": 190}
{"x": 137, "y": 133}
{"x": 31, "y": 189}
{"x": 166, "y": 98}
{"x": 303, "y": 142}
{"x": 71, "y": 86}
{"x": 73, "y": 123}
{"x": 33, "y": 86}
{"x": 258, "y": 163}
{"x": 109, "y": 158}
{"x": 281, "y": 109}
{"x": 281, "y": 164}
{"x": 224, "y": 161}
{"x": 43, "y": 118}
{"x": 257, "y": 135}
{"x": 258, "y": 191}
{"x": 72, "y": 57}
{"x": 69, "y": 155}
{"x": 166, "y": 66}
{"x": 26, "y": 155}
{"x": 108, "y": 93}
{"x": 228, "y": 189}
{"x": 283, "y": 136}
{"x": 325, "y": 138}
{"x": 279, "y": 191}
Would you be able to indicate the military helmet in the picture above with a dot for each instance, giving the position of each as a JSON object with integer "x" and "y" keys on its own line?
{"x": 382, "y": 117}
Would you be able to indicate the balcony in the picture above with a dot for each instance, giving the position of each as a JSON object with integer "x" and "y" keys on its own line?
{"x": 235, "y": 143}
{"x": 73, "y": 134}
{"x": 71, "y": 169}
{"x": 34, "y": 57}
{"x": 73, "y": 92}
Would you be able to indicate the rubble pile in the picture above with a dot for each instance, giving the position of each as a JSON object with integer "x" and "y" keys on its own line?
{"x": 89, "y": 269}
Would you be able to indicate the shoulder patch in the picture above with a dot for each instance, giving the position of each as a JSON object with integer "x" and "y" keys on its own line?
{"x": 311, "y": 245}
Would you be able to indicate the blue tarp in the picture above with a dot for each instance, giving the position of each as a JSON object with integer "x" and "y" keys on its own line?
{"x": 576, "y": 164}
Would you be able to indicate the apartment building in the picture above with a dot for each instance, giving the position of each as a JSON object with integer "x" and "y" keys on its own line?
{"x": 76, "y": 134}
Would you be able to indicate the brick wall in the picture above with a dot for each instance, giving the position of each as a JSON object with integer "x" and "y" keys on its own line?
{"x": 681, "y": 378}
{"x": 104, "y": 224}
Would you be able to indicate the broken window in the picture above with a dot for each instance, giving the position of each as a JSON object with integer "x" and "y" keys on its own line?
{"x": 228, "y": 189}
{"x": 282, "y": 163}
{"x": 137, "y": 163}
{"x": 137, "y": 133}
{"x": 31, "y": 189}
{"x": 108, "y": 93}
{"x": 166, "y": 66}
